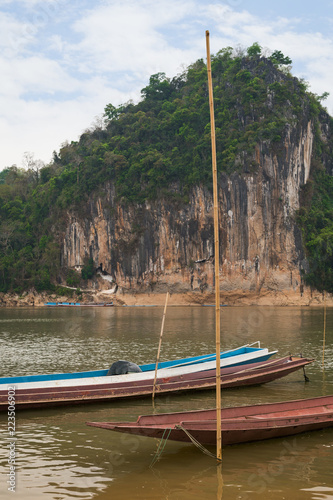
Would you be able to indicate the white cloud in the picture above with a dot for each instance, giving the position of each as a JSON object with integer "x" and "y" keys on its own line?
{"x": 36, "y": 75}
{"x": 32, "y": 3}
{"x": 14, "y": 35}
{"x": 311, "y": 52}
{"x": 127, "y": 37}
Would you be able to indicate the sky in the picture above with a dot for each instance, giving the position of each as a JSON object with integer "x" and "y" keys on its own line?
{"x": 62, "y": 61}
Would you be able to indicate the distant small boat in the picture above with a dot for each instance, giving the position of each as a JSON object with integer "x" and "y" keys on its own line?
{"x": 78, "y": 304}
{"x": 240, "y": 424}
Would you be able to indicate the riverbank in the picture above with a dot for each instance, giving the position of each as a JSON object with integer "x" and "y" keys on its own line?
{"x": 231, "y": 298}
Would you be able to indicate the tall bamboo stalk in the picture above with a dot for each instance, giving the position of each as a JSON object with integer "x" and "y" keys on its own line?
{"x": 324, "y": 337}
{"x": 217, "y": 259}
{"x": 160, "y": 343}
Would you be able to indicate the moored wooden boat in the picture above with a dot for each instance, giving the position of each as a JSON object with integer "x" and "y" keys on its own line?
{"x": 101, "y": 389}
{"x": 239, "y": 424}
{"x": 78, "y": 304}
{"x": 239, "y": 356}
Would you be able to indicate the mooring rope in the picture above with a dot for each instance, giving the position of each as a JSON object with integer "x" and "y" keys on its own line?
{"x": 196, "y": 442}
{"x": 161, "y": 446}
{"x": 165, "y": 438}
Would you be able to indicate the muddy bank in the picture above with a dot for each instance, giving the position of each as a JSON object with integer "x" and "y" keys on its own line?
{"x": 232, "y": 298}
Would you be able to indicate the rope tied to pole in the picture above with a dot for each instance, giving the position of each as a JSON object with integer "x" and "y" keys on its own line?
{"x": 165, "y": 437}
{"x": 197, "y": 444}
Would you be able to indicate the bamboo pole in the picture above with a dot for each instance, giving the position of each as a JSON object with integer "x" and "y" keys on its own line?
{"x": 324, "y": 338}
{"x": 160, "y": 343}
{"x": 219, "y": 481}
{"x": 217, "y": 260}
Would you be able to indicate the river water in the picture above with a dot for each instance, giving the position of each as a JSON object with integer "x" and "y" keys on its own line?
{"x": 59, "y": 457}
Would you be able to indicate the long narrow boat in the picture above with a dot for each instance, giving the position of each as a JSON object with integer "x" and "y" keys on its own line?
{"x": 239, "y": 356}
{"x": 239, "y": 424}
{"x": 78, "y": 304}
{"x": 102, "y": 389}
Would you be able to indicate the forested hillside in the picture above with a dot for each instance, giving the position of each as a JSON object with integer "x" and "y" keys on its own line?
{"x": 160, "y": 148}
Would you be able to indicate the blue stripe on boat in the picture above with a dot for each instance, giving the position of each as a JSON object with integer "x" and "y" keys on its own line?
{"x": 199, "y": 359}
{"x": 144, "y": 368}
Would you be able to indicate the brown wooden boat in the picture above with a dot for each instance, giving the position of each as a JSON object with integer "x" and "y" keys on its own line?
{"x": 239, "y": 424}
{"x": 76, "y": 393}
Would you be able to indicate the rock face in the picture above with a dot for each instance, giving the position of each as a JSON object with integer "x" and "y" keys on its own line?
{"x": 163, "y": 245}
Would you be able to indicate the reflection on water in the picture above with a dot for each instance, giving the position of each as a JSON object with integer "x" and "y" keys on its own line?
{"x": 291, "y": 469}
{"x": 50, "y": 465}
{"x": 59, "y": 457}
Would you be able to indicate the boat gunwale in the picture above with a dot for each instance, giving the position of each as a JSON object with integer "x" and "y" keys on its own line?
{"x": 246, "y": 409}
{"x": 238, "y": 359}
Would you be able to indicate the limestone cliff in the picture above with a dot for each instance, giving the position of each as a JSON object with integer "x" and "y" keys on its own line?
{"x": 159, "y": 246}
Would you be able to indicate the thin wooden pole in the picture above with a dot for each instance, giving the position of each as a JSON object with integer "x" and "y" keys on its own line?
{"x": 160, "y": 343}
{"x": 219, "y": 481}
{"x": 217, "y": 259}
{"x": 324, "y": 338}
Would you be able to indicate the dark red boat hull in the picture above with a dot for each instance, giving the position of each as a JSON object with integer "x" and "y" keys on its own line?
{"x": 237, "y": 376}
{"x": 239, "y": 424}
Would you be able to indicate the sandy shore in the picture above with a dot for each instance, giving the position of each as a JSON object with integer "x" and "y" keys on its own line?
{"x": 232, "y": 298}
